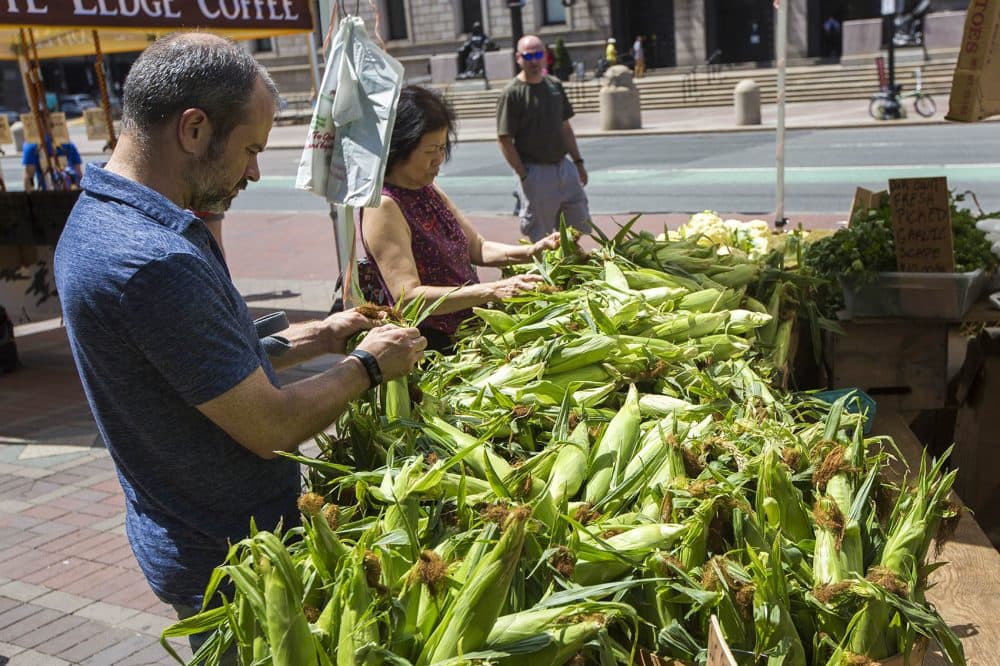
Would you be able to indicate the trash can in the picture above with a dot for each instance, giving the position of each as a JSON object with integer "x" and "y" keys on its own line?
{"x": 619, "y": 100}
{"x": 746, "y": 99}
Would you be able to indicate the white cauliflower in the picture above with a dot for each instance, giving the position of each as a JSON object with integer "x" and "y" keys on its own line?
{"x": 751, "y": 237}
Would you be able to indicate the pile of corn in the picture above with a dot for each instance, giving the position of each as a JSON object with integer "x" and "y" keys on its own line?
{"x": 600, "y": 468}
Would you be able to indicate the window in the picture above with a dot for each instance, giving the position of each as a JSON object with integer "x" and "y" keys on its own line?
{"x": 472, "y": 12}
{"x": 554, "y": 12}
{"x": 263, "y": 45}
{"x": 396, "y": 9}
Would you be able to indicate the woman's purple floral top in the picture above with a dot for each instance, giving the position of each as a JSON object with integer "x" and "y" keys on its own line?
{"x": 440, "y": 247}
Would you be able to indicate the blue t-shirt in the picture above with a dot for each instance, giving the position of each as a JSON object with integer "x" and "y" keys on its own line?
{"x": 157, "y": 327}
{"x": 67, "y": 151}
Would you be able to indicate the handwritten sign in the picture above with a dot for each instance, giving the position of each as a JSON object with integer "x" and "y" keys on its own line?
{"x": 60, "y": 131}
{"x": 57, "y": 121}
{"x": 921, "y": 224}
{"x": 865, "y": 200}
{"x": 97, "y": 126}
{"x": 5, "y": 135}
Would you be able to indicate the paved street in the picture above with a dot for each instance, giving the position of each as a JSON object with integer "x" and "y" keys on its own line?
{"x": 70, "y": 591}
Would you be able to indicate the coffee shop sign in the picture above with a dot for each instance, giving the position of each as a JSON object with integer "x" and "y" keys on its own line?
{"x": 290, "y": 14}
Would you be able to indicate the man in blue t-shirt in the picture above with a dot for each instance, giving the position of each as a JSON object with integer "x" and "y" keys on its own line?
{"x": 68, "y": 167}
{"x": 182, "y": 390}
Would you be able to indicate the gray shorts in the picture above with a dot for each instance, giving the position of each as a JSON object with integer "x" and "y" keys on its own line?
{"x": 547, "y": 191}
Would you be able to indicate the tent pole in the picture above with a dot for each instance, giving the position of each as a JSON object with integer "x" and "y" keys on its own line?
{"x": 311, "y": 46}
{"x": 779, "y": 157}
{"x": 37, "y": 94}
{"x": 105, "y": 102}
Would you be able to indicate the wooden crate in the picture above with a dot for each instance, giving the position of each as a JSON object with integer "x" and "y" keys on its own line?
{"x": 902, "y": 364}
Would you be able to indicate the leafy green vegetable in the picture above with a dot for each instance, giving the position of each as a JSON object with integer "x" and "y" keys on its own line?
{"x": 856, "y": 254}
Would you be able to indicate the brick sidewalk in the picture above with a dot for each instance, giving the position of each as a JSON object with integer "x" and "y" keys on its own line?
{"x": 70, "y": 590}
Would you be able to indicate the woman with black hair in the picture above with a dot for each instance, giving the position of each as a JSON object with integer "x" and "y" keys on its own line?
{"x": 420, "y": 243}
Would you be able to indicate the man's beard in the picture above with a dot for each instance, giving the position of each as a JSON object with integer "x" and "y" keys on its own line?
{"x": 207, "y": 195}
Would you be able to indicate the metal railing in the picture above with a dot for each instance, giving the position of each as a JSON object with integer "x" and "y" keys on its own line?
{"x": 712, "y": 68}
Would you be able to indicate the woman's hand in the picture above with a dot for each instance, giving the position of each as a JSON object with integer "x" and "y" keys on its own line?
{"x": 341, "y": 326}
{"x": 512, "y": 286}
{"x": 550, "y": 242}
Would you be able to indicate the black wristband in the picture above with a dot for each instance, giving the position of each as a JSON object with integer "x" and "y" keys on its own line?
{"x": 371, "y": 366}
{"x": 579, "y": 160}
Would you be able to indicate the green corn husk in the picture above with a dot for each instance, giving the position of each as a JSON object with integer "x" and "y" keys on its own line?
{"x": 685, "y": 326}
{"x": 467, "y": 621}
{"x": 566, "y": 629}
{"x": 357, "y": 628}
{"x": 498, "y": 320}
{"x": 776, "y": 632}
{"x": 829, "y": 529}
{"x": 600, "y": 565}
{"x": 456, "y": 441}
{"x": 286, "y": 627}
{"x": 774, "y": 483}
{"x": 652, "y": 404}
{"x": 397, "y": 399}
{"x": 580, "y": 353}
{"x": 569, "y": 470}
{"x": 615, "y": 445}
{"x": 913, "y": 524}
{"x": 737, "y": 276}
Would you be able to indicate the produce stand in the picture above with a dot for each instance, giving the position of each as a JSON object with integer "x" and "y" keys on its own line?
{"x": 33, "y": 31}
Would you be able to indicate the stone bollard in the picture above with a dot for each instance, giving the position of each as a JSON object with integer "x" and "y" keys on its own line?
{"x": 746, "y": 98}
{"x": 17, "y": 131}
{"x": 619, "y": 97}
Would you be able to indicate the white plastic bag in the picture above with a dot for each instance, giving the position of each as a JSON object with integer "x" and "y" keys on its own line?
{"x": 348, "y": 142}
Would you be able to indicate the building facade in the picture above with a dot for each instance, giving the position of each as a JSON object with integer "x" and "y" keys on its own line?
{"x": 677, "y": 33}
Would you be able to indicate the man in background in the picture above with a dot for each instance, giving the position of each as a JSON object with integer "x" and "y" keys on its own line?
{"x": 66, "y": 171}
{"x": 539, "y": 144}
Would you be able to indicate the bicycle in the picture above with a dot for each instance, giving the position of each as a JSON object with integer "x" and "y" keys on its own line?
{"x": 923, "y": 103}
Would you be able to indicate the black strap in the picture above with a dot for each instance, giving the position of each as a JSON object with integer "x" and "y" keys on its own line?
{"x": 371, "y": 366}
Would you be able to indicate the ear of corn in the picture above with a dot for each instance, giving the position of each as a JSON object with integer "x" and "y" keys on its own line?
{"x": 287, "y": 629}
{"x": 498, "y": 320}
{"x": 615, "y": 445}
{"x": 466, "y": 624}
{"x": 397, "y": 399}
{"x": 586, "y": 351}
{"x": 569, "y": 469}
{"x": 617, "y": 555}
{"x": 775, "y": 484}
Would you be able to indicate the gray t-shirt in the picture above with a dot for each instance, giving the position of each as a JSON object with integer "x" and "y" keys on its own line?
{"x": 533, "y": 113}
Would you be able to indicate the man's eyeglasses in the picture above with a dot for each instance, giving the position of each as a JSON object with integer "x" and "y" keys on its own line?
{"x": 533, "y": 55}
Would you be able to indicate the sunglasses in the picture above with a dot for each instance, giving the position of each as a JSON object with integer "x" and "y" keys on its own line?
{"x": 533, "y": 55}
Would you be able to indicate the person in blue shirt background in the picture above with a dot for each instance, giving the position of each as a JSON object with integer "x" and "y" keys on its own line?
{"x": 69, "y": 166}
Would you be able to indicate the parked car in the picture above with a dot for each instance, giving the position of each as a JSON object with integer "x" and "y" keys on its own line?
{"x": 75, "y": 105}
